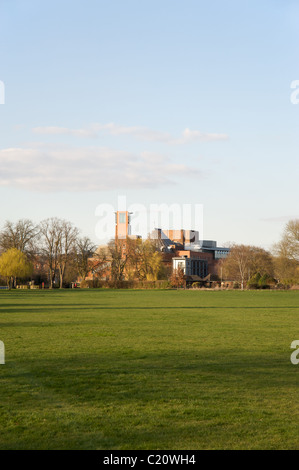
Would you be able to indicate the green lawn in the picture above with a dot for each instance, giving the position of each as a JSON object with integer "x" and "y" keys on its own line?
{"x": 117, "y": 369}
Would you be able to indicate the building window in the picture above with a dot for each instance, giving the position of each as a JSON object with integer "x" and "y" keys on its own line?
{"x": 122, "y": 218}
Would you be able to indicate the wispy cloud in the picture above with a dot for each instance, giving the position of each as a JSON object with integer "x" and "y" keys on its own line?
{"x": 50, "y": 168}
{"x": 141, "y": 133}
{"x": 54, "y": 130}
{"x": 191, "y": 136}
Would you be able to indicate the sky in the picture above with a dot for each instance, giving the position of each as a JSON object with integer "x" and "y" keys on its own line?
{"x": 154, "y": 103}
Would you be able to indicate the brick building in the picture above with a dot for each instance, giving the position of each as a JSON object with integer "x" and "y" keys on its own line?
{"x": 200, "y": 258}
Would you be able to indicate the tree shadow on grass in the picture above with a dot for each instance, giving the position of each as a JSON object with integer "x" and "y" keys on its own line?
{"x": 137, "y": 374}
{"x": 46, "y": 307}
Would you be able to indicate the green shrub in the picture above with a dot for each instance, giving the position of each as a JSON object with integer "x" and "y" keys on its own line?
{"x": 196, "y": 285}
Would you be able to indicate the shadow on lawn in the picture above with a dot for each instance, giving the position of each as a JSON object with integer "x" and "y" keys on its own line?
{"x": 153, "y": 376}
{"x": 40, "y": 324}
{"x": 46, "y": 307}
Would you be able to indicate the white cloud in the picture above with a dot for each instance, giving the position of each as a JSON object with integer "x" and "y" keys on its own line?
{"x": 141, "y": 133}
{"x": 51, "y": 168}
{"x": 93, "y": 130}
{"x": 64, "y": 131}
{"x": 192, "y": 136}
{"x": 189, "y": 135}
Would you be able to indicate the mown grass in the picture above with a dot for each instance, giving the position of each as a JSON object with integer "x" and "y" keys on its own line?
{"x": 116, "y": 369}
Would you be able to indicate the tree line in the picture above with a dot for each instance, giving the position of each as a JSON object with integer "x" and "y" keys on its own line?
{"x": 254, "y": 267}
{"x": 53, "y": 252}
{"x": 50, "y": 251}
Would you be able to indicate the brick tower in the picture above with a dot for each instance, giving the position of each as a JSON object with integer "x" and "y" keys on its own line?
{"x": 122, "y": 225}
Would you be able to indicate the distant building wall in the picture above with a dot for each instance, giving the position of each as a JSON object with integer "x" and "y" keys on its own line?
{"x": 184, "y": 237}
{"x": 191, "y": 266}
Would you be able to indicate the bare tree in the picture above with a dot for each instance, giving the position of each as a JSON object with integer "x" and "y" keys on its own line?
{"x": 236, "y": 265}
{"x": 84, "y": 251}
{"x": 245, "y": 261}
{"x": 288, "y": 247}
{"x": 58, "y": 245}
{"x": 287, "y": 254}
{"x": 21, "y": 235}
{"x": 50, "y": 230}
{"x": 66, "y": 247}
{"x": 118, "y": 255}
{"x": 101, "y": 261}
{"x": 261, "y": 262}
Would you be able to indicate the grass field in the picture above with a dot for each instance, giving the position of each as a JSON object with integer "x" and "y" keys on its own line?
{"x": 116, "y": 369}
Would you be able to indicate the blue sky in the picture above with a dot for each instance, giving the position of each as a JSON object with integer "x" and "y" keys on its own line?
{"x": 163, "y": 101}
